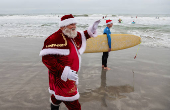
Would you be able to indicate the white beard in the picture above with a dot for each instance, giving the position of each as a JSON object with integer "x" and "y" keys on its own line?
{"x": 70, "y": 33}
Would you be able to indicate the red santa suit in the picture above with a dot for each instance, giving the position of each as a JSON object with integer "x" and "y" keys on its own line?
{"x": 60, "y": 54}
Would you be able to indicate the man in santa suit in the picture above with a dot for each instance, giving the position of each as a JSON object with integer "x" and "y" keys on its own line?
{"x": 61, "y": 55}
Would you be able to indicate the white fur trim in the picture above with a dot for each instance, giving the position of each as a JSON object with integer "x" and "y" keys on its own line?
{"x": 78, "y": 55}
{"x": 65, "y": 73}
{"x": 77, "y": 81}
{"x": 73, "y": 98}
{"x": 109, "y": 22}
{"x": 83, "y": 46}
{"x": 54, "y": 51}
{"x": 90, "y": 32}
{"x": 79, "y": 62}
{"x": 67, "y": 22}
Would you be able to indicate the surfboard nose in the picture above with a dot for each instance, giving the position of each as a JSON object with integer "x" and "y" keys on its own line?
{"x": 140, "y": 40}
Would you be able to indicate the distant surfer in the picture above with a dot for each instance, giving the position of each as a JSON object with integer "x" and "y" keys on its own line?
{"x": 133, "y": 22}
{"x": 109, "y": 24}
{"x": 157, "y": 17}
{"x": 120, "y": 20}
{"x": 61, "y": 55}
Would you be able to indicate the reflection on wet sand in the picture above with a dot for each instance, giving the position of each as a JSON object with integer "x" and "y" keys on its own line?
{"x": 106, "y": 92}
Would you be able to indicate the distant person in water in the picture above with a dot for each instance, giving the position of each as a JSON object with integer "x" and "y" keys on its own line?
{"x": 119, "y": 20}
{"x": 106, "y": 54}
{"x": 133, "y": 22}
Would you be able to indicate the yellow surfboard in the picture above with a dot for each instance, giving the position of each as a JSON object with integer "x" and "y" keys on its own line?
{"x": 119, "y": 42}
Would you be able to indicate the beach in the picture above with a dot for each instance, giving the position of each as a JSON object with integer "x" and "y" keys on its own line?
{"x": 131, "y": 84}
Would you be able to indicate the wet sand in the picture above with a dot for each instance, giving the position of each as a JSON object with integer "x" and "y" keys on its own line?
{"x": 131, "y": 84}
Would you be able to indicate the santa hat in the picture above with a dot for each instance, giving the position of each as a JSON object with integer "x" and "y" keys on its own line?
{"x": 109, "y": 21}
{"x": 67, "y": 20}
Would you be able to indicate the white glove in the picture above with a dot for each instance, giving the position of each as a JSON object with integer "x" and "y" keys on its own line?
{"x": 95, "y": 25}
{"x": 72, "y": 75}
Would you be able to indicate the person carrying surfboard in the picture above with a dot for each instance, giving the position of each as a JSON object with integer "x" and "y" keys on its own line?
{"x": 61, "y": 55}
{"x": 109, "y": 24}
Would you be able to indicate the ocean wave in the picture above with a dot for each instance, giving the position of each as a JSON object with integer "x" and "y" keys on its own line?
{"x": 154, "y": 32}
{"x": 114, "y": 15}
{"x": 49, "y": 24}
{"x": 81, "y": 15}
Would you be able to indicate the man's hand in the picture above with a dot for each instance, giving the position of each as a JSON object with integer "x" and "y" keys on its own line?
{"x": 72, "y": 75}
{"x": 109, "y": 50}
{"x": 95, "y": 25}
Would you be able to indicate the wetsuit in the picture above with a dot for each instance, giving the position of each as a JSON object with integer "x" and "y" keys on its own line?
{"x": 106, "y": 54}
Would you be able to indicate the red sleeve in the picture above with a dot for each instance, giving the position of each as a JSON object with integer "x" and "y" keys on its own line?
{"x": 86, "y": 34}
{"x": 52, "y": 62}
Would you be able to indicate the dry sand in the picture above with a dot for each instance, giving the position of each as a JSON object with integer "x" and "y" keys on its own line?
{"x": 131, "y": 84}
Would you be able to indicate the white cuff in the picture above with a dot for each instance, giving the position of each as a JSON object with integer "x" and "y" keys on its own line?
{"x": 65, "y": 73}
{"x": 90, "y": 32}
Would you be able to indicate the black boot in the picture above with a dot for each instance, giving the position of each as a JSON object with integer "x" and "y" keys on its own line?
{"x": 53, "y": 107}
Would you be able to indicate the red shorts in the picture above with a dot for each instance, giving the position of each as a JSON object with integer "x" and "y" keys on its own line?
{"x": 71, "y": 105}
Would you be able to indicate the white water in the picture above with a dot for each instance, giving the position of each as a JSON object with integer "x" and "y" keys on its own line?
{"x": 154, "y": 32}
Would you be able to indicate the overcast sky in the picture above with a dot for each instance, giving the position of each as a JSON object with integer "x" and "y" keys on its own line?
{"x": 85, "y": 6}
